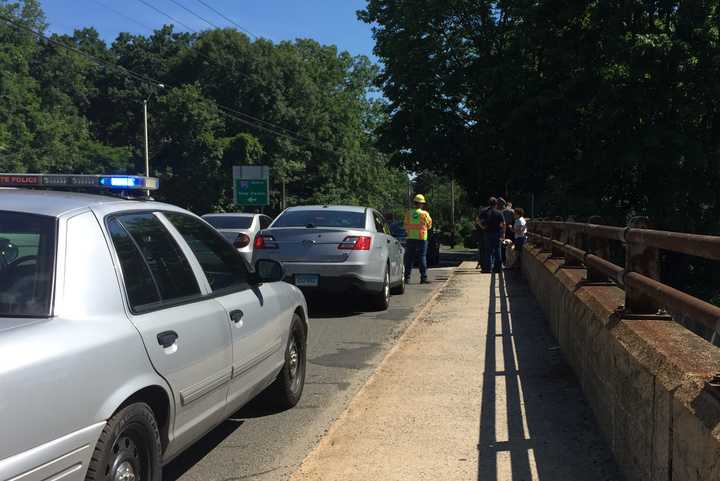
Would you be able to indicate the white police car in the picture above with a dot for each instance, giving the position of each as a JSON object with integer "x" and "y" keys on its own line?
{"x": 128, "y": 329}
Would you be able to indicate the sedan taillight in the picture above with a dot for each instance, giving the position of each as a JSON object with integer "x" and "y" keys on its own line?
{"x": 265, "y": 242}
{"x": 356, "y": 243}
{"x": 242, "y": 240}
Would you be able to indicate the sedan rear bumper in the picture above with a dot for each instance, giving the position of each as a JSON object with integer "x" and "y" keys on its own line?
{"x": 338, "y": 277}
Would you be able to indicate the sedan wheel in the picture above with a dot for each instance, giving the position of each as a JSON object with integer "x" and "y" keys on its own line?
{"x": 128, "y": 448}
{"x": 400, "y": 288}
{"x": 381, "y": 300}
{"x": 287, "y": 389}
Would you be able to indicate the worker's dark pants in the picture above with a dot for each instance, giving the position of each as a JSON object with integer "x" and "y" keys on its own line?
{"x": 413, "y": 249}
{"x": 493, "y": 252}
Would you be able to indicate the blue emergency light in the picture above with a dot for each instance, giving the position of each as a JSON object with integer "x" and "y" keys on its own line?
{"x": 112, "y": 182}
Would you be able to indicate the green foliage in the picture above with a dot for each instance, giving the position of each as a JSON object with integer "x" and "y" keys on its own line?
{"x": 608, "y": 107}
{"x": 62, "y": 112}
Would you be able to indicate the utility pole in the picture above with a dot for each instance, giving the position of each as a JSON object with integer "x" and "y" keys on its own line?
{"x": 145, "y": 120}
{"x": 452, "y": 203}
{"x": 284, "y": 197}
{"x": 147, "y": 151}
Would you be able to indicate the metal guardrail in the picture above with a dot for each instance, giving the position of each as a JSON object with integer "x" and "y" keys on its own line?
{"x": 588, "y": 245}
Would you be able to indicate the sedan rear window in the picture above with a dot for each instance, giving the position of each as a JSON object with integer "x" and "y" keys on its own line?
{"x": 229, "y": 221}
{"x": 321, "y": 218}
{"x": 27, "y": 257}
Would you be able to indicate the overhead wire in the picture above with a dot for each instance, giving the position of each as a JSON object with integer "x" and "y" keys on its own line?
{"x": 226, "y": 18}
{"x": 126, "y": 17}
{"x": 237, "y": 112}
{"x": 232, "y": 113}
{"x": 193, "y": 13}
{"x": 150, "y": 5}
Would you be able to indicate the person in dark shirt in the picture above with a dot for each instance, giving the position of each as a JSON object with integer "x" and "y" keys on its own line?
{"x": 493, "y": 223}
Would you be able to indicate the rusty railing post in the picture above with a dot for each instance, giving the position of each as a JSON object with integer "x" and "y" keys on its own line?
{"x": 643, "y": 260}
{"x": 558, "y": 234}
{"x": 598, "y": 247}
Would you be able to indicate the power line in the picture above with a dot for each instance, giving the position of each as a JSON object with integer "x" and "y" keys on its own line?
{"x": 147, "y": 4}
{"x": 193, "y": 13}
{"x": 126, "y": 17}
{"x": 236, "y": 114}
{"x": 218, "y": 12}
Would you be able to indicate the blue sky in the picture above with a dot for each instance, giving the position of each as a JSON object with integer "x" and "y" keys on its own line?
{"x": 327, "y": 21}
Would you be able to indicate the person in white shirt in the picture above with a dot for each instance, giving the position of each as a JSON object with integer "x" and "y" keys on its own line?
{"x": 520, "y": 230}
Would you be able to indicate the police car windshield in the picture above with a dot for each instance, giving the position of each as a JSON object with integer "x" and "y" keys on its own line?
{"x": 27, "y": 257}
{"x": 321, "y": 218}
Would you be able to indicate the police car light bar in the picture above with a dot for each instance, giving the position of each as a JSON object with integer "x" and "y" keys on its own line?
{"x": 115, "y": 182}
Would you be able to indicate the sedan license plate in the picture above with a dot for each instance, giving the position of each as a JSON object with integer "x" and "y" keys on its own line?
{"x": 307, "y": 280}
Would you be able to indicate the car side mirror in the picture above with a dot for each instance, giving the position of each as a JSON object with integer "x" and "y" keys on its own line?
{"x": 268, "y": 270}
{"x": 8, "y": 251}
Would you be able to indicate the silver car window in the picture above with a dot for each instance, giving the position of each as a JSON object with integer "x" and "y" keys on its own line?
{"x": 27, "y": 257}
{"x": 142, "y": 290}
{"x": 321, "y": 218}
{"x": 379, "y": 222}
{"x": 229, "y": 221}
{"x": 169, "y": 267}
{"x": 223, "y": 266}
{"x": 265, "y": 221}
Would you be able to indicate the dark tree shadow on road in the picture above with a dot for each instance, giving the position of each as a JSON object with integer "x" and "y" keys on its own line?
{"x": 535, "y": 423}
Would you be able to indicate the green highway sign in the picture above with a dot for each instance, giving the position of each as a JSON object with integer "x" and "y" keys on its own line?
{"x": 252, "y": 192}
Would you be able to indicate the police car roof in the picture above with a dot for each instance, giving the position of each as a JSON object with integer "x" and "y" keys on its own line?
{"x": 55, "y": 203}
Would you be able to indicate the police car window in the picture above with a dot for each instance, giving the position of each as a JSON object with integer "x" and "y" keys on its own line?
{"x": 223, "y": 266}
{"x": 169, "y": 267}
{"x": 321, "y": 218}
{"x": 27, "y": 257}
{"x": 142, "y": 291}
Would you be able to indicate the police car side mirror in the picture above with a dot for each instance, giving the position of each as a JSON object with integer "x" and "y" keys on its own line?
{"x": 268, "y": 270}
{"x": 8, "y": 251}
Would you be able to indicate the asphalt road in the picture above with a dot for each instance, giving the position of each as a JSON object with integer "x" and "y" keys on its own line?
{"x": 345, "y": 345}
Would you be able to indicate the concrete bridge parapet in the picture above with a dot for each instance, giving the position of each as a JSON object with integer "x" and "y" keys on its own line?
{"x": 645, "y": 378}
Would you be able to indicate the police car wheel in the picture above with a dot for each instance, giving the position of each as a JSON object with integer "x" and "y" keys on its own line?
{"x": 287, "y": 389}
{"x": 128, "y": 448}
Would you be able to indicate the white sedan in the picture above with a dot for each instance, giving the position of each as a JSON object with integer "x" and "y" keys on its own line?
{"x": 239, "y": 229}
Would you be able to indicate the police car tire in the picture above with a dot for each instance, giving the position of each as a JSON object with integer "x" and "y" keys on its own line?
{"x": 281, "y": 393}
{"x": 135, "y": 422}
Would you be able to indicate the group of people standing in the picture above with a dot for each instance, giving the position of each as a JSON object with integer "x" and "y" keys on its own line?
{"x": 499, "y": 227}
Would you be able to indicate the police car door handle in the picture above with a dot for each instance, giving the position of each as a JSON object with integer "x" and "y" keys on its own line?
{"x": 236, "y": 316}
{"x": 167, "y": 338}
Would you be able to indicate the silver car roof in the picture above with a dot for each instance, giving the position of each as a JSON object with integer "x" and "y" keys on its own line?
{"x": 55, "y": 203}
{"x": 230, "y": 214}
{"x": 346, "y": 208}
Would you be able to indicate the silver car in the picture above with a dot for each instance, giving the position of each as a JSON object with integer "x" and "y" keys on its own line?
{"x": 336, "y": 248}
{"x": 128, "y": 330}
{"x": 239, "y": 229}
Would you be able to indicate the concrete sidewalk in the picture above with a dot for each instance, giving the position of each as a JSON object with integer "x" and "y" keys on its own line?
{"x": 474, "y": 390}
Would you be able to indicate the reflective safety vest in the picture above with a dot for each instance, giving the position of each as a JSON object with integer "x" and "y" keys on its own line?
{"x": 417, "y": 224}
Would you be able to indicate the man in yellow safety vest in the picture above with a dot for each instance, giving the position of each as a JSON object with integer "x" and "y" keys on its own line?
{"x": 417, "y": 224}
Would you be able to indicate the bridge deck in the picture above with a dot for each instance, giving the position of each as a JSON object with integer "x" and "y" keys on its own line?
{"x": 476, "y": 389}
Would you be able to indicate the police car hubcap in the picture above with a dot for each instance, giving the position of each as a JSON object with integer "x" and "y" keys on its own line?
{"x": 125, "y": 472}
